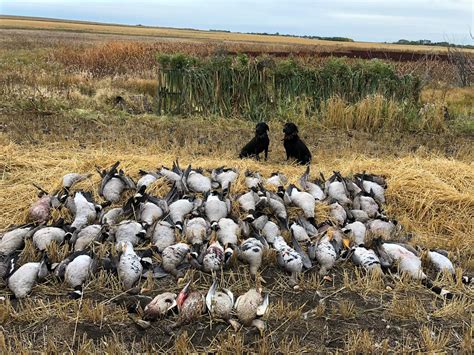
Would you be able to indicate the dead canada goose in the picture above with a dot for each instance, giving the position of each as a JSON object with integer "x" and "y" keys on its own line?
{"x": 364, "y": 201}
{"x": 259, "y": 223}
{"x": 315, "y": 189}
{"x": 279, "y": 181}
{"x": 359, "y": 215}
{"x": 180, "y": 208}
{"x": 337, "y": 189}
{"x": 162, "y": 234}
{"x": 22, "y": 280}
{"x": 328, "y": 249}
{"x": 191, "y": 305}
{"x": 150, "y": 212}
{"x": 378, "y": 179}
{"x": 407, "y": 262}
{"x": 338, "y": 213}
{"x": 251, "y": 252}
{"x": 85, "y": 211}
{"x": 89, "y": 234}
{"x": 111, "y": 216}
{"x": 278, "y": 208}
{"x": 14, "y": 239}
{"x": 249, "y": 307}
{"x": 227, "y": 234}
{"x": 114, "y": 183}
{"x": 147, "y": 178}
{"x": 129, "y": 266}
{"x": 270, "y": 231}
{"x": 220, "y": 303}
{"x": 196, "y": 181}
{"x": 299, "y": 233}
{"x": 77, "y": 272}
{"x": 216, "y": 207}
{"x": 372, "y": 184}
{"x": 173, "y": 256}
{"x": 196, "y": 231}
{"x": 356, "y": 231}
{"x": 160, "y": 306}
{"x": 129, "y": 231}
{"x": 224, "y": 177}
{"x": 303, "y": 200}
{"x": 43, "y": 237}
{"x": 248, "y": 202}
{"x": 252, "y": 179}
{"x": 387, "y": 229}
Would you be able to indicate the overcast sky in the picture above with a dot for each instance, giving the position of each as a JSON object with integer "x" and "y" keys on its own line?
{"x": 369, "y": 20}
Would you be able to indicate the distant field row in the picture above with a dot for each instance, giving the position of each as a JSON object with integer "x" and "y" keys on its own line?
{"x": 7, "y": 22}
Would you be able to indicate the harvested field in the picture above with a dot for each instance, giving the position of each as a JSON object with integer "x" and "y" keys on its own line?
{"x": 56, "y": 119}
{"x": 430, "y": 194}
{"x": 12, "y": 22}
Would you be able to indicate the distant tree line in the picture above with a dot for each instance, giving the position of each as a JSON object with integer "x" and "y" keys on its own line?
{"x": 427, "y": 42}
{"x": 338, "y": 39}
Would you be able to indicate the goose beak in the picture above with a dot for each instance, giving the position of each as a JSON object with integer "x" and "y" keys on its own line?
{"x": 346, "y": 242}
{"x": 186, "y": 287}
{"x": 330, "y": 234}
{"x": 213, "y": 238}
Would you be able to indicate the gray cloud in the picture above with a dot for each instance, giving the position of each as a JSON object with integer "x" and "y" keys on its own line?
{"x": 367, "y": 20}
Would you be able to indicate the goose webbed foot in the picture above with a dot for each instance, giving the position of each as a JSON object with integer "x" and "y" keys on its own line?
{"x": 260, "y": 325}
{"x": 234, "y": 324}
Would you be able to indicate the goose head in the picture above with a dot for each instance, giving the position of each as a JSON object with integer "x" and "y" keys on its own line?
{"x": 183, "y": 295}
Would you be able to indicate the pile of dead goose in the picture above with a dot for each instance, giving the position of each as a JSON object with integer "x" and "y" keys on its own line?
{"x": 202, "y": 224}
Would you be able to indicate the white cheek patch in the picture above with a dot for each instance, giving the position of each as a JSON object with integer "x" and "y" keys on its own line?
{"x": 444, "y": 292}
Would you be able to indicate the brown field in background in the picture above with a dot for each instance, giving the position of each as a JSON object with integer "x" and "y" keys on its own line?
{"x": 7, "y": 22}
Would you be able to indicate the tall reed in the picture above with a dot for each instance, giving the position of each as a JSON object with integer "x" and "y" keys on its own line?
{"x": 262, "y": 87}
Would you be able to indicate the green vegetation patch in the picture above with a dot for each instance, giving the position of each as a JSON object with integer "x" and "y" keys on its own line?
{"x": 261, "y": 87}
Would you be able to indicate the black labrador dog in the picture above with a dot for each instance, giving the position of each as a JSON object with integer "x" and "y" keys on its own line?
{"x": 294, "y": 146}
{"x": 258, "y": 144}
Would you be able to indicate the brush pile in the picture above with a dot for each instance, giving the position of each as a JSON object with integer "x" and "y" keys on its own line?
{"x": 173, "y": 220}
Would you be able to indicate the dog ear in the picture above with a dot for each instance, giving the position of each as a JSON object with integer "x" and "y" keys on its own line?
{"x": 266, "y": 127}
{"x": 296, "y": 128}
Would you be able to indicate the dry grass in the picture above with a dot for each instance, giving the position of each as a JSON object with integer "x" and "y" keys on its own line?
{"x": 376, "y": 112}
{"x": 360, "y": 342}
{"x": 408, "y": 307}
{"x": 434, "y": 340}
